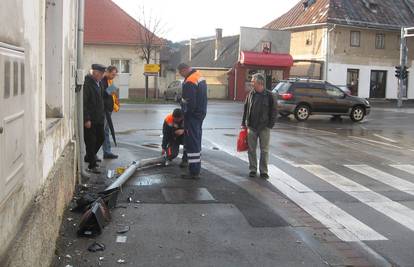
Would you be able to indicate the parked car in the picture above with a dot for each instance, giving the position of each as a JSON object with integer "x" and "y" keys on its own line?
{"x": 303, "y": 98}
{"x": 173, "y": 90}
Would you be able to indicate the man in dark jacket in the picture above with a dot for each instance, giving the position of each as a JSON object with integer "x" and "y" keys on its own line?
{"x": 93, "y": 115}
{"x": 107, "y": 84}
{"x": 173, "y": 136}
{"x": 194, "y": 106}
{"x": 259, "y": 117}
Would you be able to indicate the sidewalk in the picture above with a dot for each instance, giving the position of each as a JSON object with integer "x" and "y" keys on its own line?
{"x": 176, "y": 222}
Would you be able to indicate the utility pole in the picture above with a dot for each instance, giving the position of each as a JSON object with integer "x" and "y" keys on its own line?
{"x": 405, "y": 33}
{"x": 403, "y": 62}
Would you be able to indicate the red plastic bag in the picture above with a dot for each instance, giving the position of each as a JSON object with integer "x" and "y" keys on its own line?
{"x": 242, "y": 141}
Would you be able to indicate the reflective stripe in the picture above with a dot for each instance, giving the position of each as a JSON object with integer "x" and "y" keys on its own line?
{"x": 194, "y": 154}
{"x": 194, "y": 160}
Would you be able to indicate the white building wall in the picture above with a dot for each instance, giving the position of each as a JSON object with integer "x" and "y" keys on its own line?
{"x": 43, "y": 140}
{"x": 338, "y": 75}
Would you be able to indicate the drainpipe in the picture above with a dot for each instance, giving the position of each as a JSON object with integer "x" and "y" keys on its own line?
{"x": 328, "y": 31}
{"x": 80, "y": 76}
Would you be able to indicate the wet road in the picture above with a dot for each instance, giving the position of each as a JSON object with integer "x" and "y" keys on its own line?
{"x": 357, "y": 179}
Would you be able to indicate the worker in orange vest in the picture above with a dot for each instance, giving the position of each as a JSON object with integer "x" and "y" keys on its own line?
{"x": 173, "y": 136}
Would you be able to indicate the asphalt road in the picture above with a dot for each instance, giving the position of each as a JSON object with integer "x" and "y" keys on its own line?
{"x": 357, "y": 179}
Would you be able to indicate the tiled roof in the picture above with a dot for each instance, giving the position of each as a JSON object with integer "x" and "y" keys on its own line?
{"x": 107, "y": 23}
{"x": 382, "y": 14}
{"x": 203, "y": 53}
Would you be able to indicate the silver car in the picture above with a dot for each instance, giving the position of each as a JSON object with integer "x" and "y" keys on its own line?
{"x": 174, "y": 90}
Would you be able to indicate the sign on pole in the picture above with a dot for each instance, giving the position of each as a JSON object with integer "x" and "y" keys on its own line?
{"x": 152, "y": 69}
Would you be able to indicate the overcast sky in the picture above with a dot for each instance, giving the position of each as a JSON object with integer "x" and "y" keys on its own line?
{"x": 186, "y": 19}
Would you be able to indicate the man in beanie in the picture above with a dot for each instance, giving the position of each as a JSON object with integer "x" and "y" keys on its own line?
{"x": 93, "y": 115}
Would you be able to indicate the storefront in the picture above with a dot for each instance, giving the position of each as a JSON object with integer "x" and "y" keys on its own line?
{"x": 275, "y": 67}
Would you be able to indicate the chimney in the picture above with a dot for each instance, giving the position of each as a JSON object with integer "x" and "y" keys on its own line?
{"x": 219, "y": 38}
{"x": 190, "y": 49}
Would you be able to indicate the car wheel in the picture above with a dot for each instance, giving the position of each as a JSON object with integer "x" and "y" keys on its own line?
{"x": 357, "y": 114}
{"x": 302, "y": 112}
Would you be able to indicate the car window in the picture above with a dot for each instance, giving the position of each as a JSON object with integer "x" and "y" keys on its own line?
{"x": 334, "y": 91}
{"x": 171, "y": 85}
{"x": 282, "y": 87}
{"x": 310, "y": 91}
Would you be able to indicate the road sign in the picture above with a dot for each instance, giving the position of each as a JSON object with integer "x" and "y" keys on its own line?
{"x": 151, "y": 69}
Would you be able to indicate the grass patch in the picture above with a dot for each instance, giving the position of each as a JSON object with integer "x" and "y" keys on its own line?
{"x": 148, "y": 101}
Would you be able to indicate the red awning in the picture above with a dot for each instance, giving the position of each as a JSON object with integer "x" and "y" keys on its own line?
{"x": 266, "y": 59}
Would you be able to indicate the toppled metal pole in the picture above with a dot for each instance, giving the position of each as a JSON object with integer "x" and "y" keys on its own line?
{"x": 133, "y": 168}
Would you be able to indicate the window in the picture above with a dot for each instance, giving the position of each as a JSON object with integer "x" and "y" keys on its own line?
{"x": 333, "y": 91}
{"x": 15, "y": 78}
{"x": 380, "y": 41}
{"x": 309, "y": 38}
{"x": 355, "y": 39}
{"x": 7, "y": 77}
{"x": 22, "y": 78}
{"x": 121, "y": 64}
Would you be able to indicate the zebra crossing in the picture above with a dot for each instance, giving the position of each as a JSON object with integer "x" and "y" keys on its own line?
{"x": 342, "y": 224}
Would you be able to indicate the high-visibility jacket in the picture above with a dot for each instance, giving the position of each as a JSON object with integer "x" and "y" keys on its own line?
{"x": 194, "y": 95}
{"x": 168, "y": 130}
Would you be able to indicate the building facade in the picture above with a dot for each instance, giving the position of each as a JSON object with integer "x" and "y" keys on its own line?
{"x": 350, "y": 42}
{"x": 38, "y": 56}
{"x": 117, "y": 40}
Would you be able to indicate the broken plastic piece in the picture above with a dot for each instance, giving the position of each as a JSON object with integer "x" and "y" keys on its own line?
{"x": 121, "y": 239}
{"x": 123, "y": 230}
{"x": 110, "y": 174}
{"x": 94, "y": 219}
{"x": 121, "y": 261}
{"x": 96, "y": 247}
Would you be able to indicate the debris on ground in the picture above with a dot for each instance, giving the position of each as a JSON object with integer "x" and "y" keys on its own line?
{"x": 123, "y": 229}
{"x": 120, "y": 170}
{"x": 95, "y": 219}
{"x": 121, "y": 239}
{"x": 121, "y": 261}
{"x": 110, "y": 174}
{"x": 96, "y": 247}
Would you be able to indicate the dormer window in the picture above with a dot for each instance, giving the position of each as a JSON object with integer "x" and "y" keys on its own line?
{"x": 308, "y": 3}
{"x": 372, "y": 5}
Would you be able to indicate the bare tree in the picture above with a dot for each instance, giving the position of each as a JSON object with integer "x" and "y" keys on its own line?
{"x": 151, "y": 28}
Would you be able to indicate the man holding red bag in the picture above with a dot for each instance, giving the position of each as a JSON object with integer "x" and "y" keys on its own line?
{"x": 259, "y": 117}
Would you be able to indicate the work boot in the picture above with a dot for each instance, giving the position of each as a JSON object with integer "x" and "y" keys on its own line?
{"x": 110, "y": 156}
{"x": 264, "y": 176}
{"x": 184, "y": 164}
{"x": 94, "y": 170}
{"x": 190, "y": 176}
{"x": 252, "y": 174}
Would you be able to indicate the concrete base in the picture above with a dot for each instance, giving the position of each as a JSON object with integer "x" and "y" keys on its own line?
{"x": 35, "y": 242}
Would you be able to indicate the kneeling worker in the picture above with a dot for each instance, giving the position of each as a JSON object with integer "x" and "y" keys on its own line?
{"x": 173, "y": 136}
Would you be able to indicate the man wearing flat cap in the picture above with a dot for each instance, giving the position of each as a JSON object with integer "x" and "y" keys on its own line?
{"x": 93, "y": 115}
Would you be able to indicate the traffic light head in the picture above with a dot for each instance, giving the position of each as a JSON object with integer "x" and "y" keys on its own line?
{"x": 398, "y": 71}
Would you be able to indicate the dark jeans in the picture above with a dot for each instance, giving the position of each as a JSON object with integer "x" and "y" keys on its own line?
{"x": 173, "y": 148}
{"x": 94, "y": 138}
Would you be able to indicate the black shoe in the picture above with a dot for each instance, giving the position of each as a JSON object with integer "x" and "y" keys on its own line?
{"x": 184, "y": 164}
{"x": 110, "y": 156}
{"x": 93, "y": 170}
{"x": 98, "y": 159}
{"x": 264, "y": 176}
{"x": 252, "y": 174}
{"x": 190, "y": 176}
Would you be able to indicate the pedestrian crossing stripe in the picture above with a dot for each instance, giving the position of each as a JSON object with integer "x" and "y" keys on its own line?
{"x": 405, "y": 167}
{"x": 343, "y": 225}
{"x": 385, "y": 178}
{"x": 393, "y": 210}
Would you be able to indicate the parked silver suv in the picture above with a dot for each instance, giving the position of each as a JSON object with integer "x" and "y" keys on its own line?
{"x": 174, "y": 90}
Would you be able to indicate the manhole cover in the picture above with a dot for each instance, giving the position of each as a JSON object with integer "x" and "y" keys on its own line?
{"x": 178, "y": 195}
